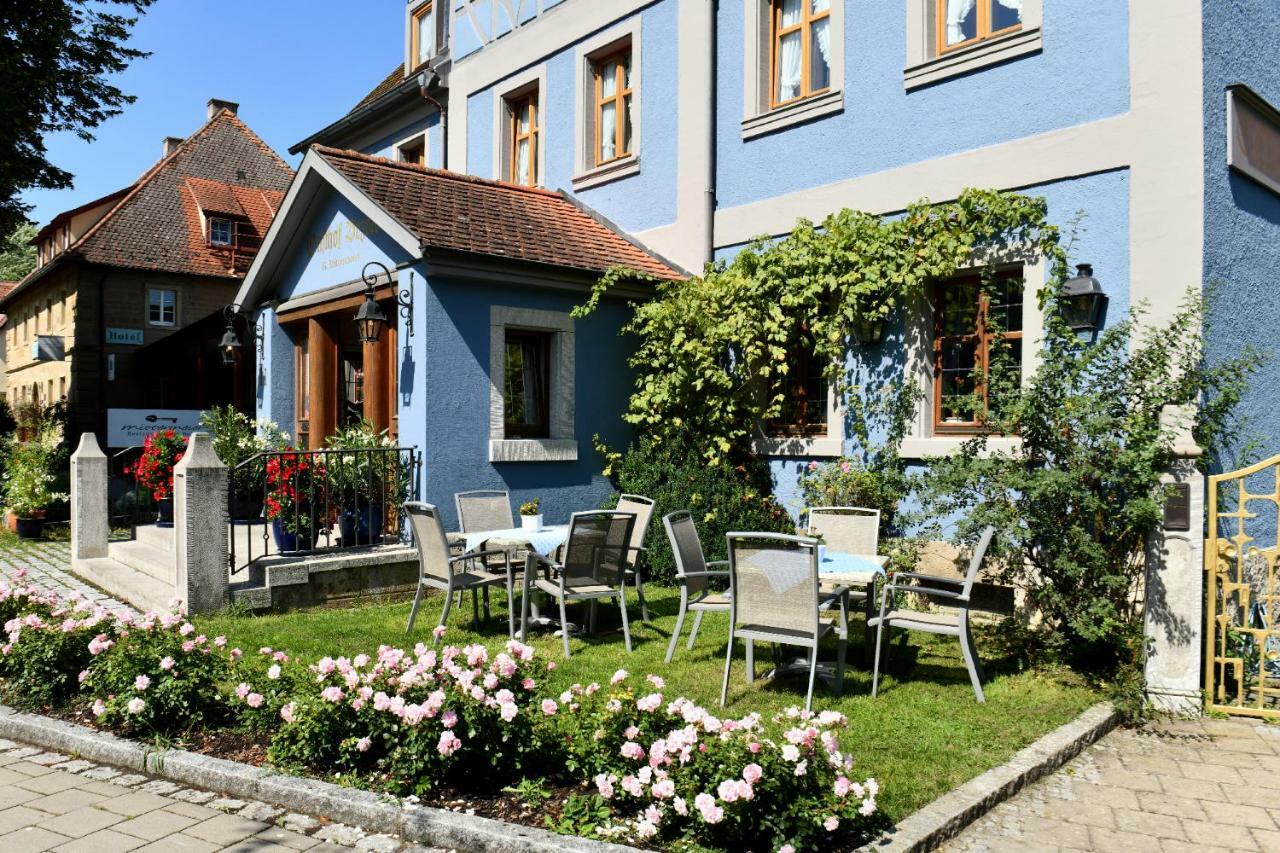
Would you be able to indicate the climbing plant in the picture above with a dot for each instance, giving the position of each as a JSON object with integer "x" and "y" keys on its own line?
{"x": 714, "y": 350}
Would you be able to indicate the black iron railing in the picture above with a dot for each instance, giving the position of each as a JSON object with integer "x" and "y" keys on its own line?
{"x": 128, "y": 503}
{"x": 315, "y": 501}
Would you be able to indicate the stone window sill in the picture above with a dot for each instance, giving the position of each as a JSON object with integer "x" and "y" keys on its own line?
{"x": 624, "y": 167}
{"x": 969, "y": 59}
{"x": 798, "y": 446}
{"x": 814, "y": 107}
{"x": 533, "y": 450}
{"x": 945, "y": 445}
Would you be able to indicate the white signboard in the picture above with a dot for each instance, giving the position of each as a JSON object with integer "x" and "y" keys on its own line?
{"x": 130, "y": 427}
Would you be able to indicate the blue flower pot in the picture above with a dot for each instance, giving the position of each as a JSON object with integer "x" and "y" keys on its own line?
{"x": 286, "y": 541}
{"x": 361, "y": 526}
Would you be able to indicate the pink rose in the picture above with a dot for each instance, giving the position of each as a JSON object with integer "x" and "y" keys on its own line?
{"x": 752, "y": 773}
{"x": 254, "y": 700}
{"x": 549, "y": 707}
{"x": 831, "y": 824}
{"x": 142, "y": 682}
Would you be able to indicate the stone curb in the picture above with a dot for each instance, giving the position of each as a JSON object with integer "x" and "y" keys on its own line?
{"x": 369, "y": 811}
{"x": 946, "y": 816}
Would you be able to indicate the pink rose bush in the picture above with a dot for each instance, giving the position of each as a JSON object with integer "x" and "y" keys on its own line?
{"x": 675, "y": 771}
{"x": 46, "y": 644}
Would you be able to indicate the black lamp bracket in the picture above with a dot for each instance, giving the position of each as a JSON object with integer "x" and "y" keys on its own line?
{"x": 403, "y": 299}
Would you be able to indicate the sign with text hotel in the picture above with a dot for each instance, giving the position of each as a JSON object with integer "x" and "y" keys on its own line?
{"x": 130, "y": 427}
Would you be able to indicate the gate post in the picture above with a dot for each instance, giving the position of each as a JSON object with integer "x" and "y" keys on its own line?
{"x": 89, "y": 522}
{"x": 200, "y": 526}
{"x": 1173, "y": 612}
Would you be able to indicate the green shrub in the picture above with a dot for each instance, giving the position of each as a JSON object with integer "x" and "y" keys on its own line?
{"x": 46, "y": 651}
{"x": 723, "y": 495}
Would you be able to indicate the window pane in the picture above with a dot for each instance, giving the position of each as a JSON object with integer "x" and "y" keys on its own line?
{"x": 819, "y": 6}
{"x": 960, "y": 310}
{"x": 626, "y": 126}
{"x": 522, "y": 161}
{"x": 525, "y": 384}
{"x": 609, "y": 79}
{"x": 791, "y": 12}
{"x": 1006, "y": 305}
{"x": 1005, "y": 14}
{"x": 608, "y": 130}
{"x": 957, "y": 381}
{"x": 626, "y": 71}
{"x": 961, "y": 20}
{"x": 820, "y": 55}
{"x": 425, "y": 35}
{"x": 789, "y": 59}
{"x": 523, "y": 119}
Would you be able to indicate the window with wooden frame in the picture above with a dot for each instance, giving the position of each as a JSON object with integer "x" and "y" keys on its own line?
{"x": 523, "y": 168}
{"x": 612, "y": 106}
{"x": 961, "y": 23}
{"x": 422, "y": 29}
{"x": 413, "y": 150}
{"x": 800, "y": 53}
{"x": 805, "y": 398}
{"x": 969, "y": 319}
{"x": 222, "y": 232}
{"x": 527, "y": 384}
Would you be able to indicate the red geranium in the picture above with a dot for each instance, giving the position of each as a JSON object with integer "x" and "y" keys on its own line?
{"x": 154, "y": 469}
{"x": 295, "y": 488}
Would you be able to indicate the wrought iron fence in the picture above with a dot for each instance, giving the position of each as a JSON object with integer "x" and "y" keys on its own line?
{"x": 129, "y": 504}
{"x": 315, "y": 501}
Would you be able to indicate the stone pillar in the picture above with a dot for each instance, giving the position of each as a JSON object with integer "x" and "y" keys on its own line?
{"x": 200, "y": 526}
{"x": 89, "y": 521}
{"x": 1173, "y": 614}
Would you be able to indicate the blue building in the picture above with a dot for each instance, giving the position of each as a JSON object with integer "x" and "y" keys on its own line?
{"x": 688, "y": 127}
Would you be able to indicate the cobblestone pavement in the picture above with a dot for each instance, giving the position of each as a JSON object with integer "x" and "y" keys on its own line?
{"x": 1209, "y": 784}
{"x": 47, "y": 565}
{"x": 49, "y": 801}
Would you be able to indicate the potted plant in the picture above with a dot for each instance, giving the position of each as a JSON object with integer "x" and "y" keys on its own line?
{"x": 296, "y": 486}
{"x": 530, "y": 516}
{"x": 363, "y": 483}
{"x": 154, "y": 470}
{"x": 29, "y": 479}
{"x": 242, "y": 444}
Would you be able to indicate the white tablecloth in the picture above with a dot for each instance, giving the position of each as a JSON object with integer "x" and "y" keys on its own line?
{"x": 545, "y": 540}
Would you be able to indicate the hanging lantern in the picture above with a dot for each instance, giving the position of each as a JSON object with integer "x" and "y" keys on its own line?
{"x": 1083, "y": 300}
{"x": 230, "y": 345}
{"x": 370, "y": 319}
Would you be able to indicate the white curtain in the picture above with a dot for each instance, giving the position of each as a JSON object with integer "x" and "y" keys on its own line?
{"x": 608, "y": 130}
{"x": 522, "y": 162}
{"x": 1015, "y": 5}
{"x": 957, "y": 11}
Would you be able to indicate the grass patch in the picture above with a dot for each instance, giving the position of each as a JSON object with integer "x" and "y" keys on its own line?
{"x": 922, "y": 737}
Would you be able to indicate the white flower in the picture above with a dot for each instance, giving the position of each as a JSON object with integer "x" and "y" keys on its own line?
{"x": 135, "y": 706}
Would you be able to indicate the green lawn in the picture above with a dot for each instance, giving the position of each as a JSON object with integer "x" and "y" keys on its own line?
{"x": 923, "y": 736}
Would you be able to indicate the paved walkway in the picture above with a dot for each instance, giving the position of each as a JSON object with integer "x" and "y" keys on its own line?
{"x": 47, "y": 565}
{"x": 49, "y": 801}
{"x": 1173, "y": 786}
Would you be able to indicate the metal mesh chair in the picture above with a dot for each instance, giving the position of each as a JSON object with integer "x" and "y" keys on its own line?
{"x": 484, "y": 510}
{"x": 642, "y": 508}
{"x": 692, "y": 573}
{"x": 450, "y": 574}
{"x": 850, "y": 529}
{"x": 774, "y": 598}
{"x": 593, "y": 567}
{"x": 948, "y": 591}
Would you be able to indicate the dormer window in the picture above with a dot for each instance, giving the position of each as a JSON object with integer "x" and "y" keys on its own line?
{"x": 221, "y": 232}
{"x": 422, "y": 29}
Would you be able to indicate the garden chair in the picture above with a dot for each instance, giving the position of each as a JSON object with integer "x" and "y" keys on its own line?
{"x": 642, "y": 508}
{"x": 439, "y": 569}
{"x": 774, "y": 598}
{"x": 955, "y": 594}
{"x": 850, "y": 529}
{"x": 692, "y": 573}
{"x": 482, "y": 509}
{"x": 593, "y": 567}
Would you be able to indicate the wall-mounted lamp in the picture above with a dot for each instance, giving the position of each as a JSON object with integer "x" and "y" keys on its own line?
{"x": 868, "y": 329}
{"x": 371, "y": 319}
{"x": 231, "y": 345}
{"x": 1083, "y": 300}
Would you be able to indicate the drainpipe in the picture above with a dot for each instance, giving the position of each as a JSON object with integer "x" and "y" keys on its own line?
{"x": 424, "y": 82}
{"x": 712, "y": 102}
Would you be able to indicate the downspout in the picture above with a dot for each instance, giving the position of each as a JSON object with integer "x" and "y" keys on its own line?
{"x": 712, "y": 102}
{"x": 424, "y": 82}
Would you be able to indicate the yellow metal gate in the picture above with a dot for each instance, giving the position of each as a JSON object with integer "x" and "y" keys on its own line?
{"x": 1242, "y": 631}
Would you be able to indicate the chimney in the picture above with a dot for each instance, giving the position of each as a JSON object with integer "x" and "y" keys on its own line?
{"x": 216, "y": 105}
{"x": 171, "y": 143}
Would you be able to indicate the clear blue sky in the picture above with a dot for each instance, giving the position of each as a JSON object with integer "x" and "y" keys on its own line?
{"x": 294, "y": 66}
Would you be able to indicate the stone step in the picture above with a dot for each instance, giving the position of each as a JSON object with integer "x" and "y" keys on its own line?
{"x": 160, "y": 538}
{"x": 144, "y": 558}
{"x": 126, "y": 583}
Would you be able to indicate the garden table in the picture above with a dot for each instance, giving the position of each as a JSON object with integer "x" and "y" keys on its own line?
{"x": 542, "y": 542}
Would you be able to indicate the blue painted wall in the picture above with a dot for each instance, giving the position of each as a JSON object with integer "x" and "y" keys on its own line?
{"x": 385, "y": 147}
{"x": 1242, "y": 218}
{"x": 337, "y": 242}
{"x": 643, "y": 201}
{"x": 275, "y": 397}
{"x": 452, "y": 427}
{"x": 1081, "y": 75}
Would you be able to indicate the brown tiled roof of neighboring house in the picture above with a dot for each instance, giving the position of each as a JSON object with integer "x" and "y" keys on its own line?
{"x": 156, "y": 225}
{"x": 447, "y": 210}
{"x": 392, "y": 80}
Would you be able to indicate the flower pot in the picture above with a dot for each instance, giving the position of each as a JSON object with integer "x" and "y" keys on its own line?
{"x": 361, "y": 526}
{"x": 29, "y": 528}
{"x": 531, "y": 522}
{"x": 11, "y": 521}
{"x": 164, "y": 513}
{"x": 286, "y": 541}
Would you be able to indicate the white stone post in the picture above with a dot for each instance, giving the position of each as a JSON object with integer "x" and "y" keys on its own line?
{"x": 1174, "y": 593}
{"x": 200, "y": 526}
{"x": 89, "y": 522}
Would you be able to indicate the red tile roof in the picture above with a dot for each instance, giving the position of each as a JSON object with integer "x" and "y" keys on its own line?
{"x": 389, "y": 82}
{"x": 156, "y": 225}
{"x": 447, "y": 210}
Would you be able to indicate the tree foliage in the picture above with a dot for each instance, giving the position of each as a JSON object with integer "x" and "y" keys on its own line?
{"x": 56, "y": 60}
{"x": 714, "y": 350}
{"x": 17, "y": 255}
{"x": 1076, "y": 501}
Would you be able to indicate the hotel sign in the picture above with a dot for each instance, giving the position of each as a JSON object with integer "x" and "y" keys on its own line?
{"x": 130, "y": 427}
{"x": 345, "y": 236}
{"x": 125, "y": 337}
